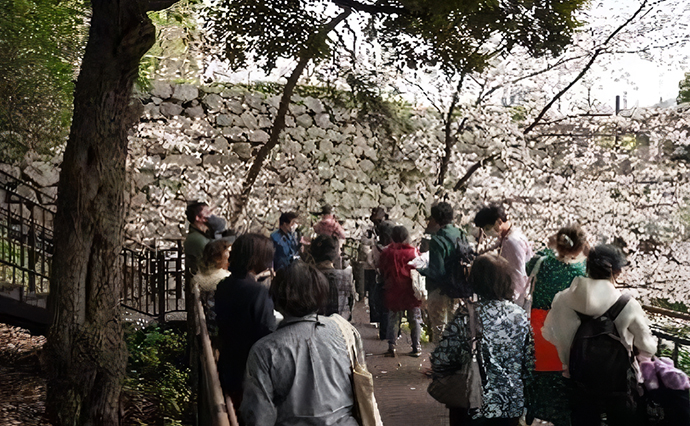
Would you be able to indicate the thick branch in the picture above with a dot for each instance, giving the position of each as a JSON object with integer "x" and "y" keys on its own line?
{"x": 279, "y": 123}
{"x": 476, "y": 166}
{"x": 582, "y": 73}
{"x": 450, "y": 139}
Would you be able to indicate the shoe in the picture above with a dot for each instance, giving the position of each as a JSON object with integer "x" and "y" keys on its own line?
{"x": 416, "y": 352}
{"x": 390, "y": 353}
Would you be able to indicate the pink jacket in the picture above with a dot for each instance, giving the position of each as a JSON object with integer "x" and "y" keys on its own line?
{"x": 329, "y": 226}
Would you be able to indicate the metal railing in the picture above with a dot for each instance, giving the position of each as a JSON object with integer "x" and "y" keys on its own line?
{"x": 664, "y": 331}
{"x": 26, "y": 238}
{"x": 153, "y": 280}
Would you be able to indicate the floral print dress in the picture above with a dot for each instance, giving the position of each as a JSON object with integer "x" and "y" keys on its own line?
{"x": 507, "y": 353}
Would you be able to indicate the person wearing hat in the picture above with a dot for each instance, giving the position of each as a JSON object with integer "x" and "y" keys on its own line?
{"x": 328, "y": 225}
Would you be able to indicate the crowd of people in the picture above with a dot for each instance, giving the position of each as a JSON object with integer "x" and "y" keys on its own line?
{"x": 528, "y": 320}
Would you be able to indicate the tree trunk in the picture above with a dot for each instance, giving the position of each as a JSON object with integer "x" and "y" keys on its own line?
{"x": 85, "y": 344}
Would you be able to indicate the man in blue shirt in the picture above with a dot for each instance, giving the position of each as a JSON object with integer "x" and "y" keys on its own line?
{"x": 285, "y": 241}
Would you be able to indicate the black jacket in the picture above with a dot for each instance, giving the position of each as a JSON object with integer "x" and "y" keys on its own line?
{"x": 244, "y": 314}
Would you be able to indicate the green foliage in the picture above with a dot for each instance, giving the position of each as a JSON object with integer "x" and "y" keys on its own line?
{"x": 172, "y": 57}
{"x": 40, "y": 45}
{"x": 683, "y": 357}
{"x": 263, "y": 32}
{"x": 518, "y": 113}
{"x": 460, "y": 36}
{"x": 389, "y": 113}
{"x": 457, "y": 35}
{"x": 684, "y": 92}
{"x": 157, "y": 382}
{"x": 666, "y": 304}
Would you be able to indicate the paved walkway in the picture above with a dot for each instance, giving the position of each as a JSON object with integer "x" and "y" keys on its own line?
{"x": 399, "y": 383}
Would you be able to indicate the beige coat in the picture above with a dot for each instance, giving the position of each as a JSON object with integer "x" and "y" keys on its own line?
{"x": 594, "y": 298}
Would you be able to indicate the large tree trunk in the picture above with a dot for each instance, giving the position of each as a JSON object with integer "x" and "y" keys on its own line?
{"x": 85, "y": 345}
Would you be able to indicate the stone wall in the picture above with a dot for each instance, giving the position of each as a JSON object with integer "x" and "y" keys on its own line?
{"x": 197, "y": 143}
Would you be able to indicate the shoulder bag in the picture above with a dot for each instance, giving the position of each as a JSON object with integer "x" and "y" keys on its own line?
{"x": 463, "y": 388}
{"x": 365, "y": 409}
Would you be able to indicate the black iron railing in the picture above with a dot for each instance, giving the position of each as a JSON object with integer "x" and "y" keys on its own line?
{"x": 26, "y": 238}
{"x": 153, "y": 281}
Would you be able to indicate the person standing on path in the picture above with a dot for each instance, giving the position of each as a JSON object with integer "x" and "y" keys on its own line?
{"x": 512, "y": 244}
{"x": 441, "y": 249}
{"x": 301, "y": 374}
{"x": 552, "y": 273}
{"x": 506, "y": 349}
{"x": 341, "y": 297}
{"x": 399, "y": 294}
{"x": 593, "y": 296}
{"x": 285, "y": 241}
{"x": 244, "y": 310}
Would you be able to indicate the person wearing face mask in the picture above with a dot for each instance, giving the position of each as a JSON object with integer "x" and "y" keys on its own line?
{"x": 285, "y": 241}
{"x": 197, "y": 214}
{"x": 512, "y": 245}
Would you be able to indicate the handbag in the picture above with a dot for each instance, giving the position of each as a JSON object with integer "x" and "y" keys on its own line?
{"x": 418, "y": 285}
{"x": 463, "y": 389}
{"x": 365, "y": 408}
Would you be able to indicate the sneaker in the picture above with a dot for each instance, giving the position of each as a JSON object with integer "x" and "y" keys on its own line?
{"x": 416, "y": 352}
{"x": 390, "y": 353}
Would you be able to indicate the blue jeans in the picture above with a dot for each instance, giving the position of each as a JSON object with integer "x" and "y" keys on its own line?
{"x": 414, "y": 317}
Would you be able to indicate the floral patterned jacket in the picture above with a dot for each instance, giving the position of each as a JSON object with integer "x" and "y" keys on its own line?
{"x": 507, "y": 349}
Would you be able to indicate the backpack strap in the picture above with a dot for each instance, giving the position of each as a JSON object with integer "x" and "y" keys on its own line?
{"x": 617, "y": 307}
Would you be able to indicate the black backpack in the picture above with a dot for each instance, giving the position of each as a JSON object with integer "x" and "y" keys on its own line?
{"x": 457, "y": 266}
{"x": 599, "y": 362}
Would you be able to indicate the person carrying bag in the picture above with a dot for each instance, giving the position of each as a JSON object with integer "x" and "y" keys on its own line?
{"x": 485, "y": 357}
{"x": 463, "y": 389}
{"x": 365, "y": 409}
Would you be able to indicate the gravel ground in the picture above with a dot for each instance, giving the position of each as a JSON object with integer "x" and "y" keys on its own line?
{"x": 22, "y": 383}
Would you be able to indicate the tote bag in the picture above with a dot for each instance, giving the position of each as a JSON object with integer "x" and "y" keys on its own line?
{"x": 366, "y": 410}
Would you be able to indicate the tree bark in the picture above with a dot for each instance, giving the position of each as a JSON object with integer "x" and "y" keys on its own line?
{"x": 473, "y": 168}
{"x": 279, "y": 122}
{"x": 85, "y": 345}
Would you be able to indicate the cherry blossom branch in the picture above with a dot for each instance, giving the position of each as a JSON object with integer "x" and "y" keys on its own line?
{"x": 595, "y": 56}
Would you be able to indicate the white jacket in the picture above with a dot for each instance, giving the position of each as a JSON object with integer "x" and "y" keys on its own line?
{"x": 594, "y": 298}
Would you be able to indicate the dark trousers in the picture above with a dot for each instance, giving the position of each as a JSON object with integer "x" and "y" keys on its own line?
{"x": 460, "y": 417}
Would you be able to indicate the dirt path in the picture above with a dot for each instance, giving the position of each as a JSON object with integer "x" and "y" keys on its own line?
{"x": 399, "y": 383}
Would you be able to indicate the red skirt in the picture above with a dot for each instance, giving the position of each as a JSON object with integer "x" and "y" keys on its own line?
{"x": 545, "y": 353}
